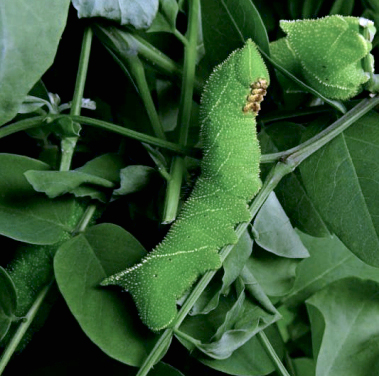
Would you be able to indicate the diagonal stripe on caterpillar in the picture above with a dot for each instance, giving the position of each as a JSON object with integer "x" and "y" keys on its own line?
{"x": 229, "y": 180}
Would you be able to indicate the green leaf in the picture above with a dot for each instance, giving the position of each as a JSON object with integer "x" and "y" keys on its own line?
{"x": 138, "y": 13}
{"x": 133, "y": 179}
{"x": 250, "y": 359}
{"x": 304, "y": 366}
{"x": 232, "y": 266}
{"x": 165, "y": 19}
{"x": 330, "y": 261}
{"x": 57, "y": 183}
{"x": 311, "y": 8}
{"x": 290, "y": 191}
{"x": 103, "y": 171}
{"x": 275, "y": 274}
{"x": 65, "y": 127}
{"x": 345, "y": 321}
{"x": 348, "y": 201}
{"x": 227, "y": 24}
{"x": 273, "y": 231}
{"x": 236, "y": 319}
{"x": 27, "y": 216}
{"x": 8, "y": 302}
{"x": 28, "y": 42}
{"x": 331, "y": 51}
{"x": 109, "y": 318}
{"x": 163, "y": 369}
{"x": 342, "y": 7}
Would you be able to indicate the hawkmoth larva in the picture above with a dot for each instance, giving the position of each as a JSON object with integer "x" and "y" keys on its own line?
{"x": 228, "y": 181}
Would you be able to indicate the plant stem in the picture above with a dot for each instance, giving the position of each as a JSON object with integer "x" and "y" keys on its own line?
{"x": 181, "y": 37}
{"x": 126, "y": 132}
{"x": 174, "y": 186}
{"x": 68, "y": 143}
{"x": 301, "y": 152}
{"x": 156, "y": 353}
{"x": 120, "y": 41}
{"x": 184, "y": 116}
{"x": 84, "y": 221}
{"x": 23, "y": 327}
{"x": 22, "y": 125}
{"x": 272, "y": 354}
{"x": 138, "y": 72}
{"x": 297, "y": 154}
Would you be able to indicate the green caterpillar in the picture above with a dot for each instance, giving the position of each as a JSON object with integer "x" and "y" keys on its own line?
{"x": 229, "y": 180}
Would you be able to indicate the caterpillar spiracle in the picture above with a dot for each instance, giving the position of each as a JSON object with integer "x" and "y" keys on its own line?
{"x": 229, "y": 179}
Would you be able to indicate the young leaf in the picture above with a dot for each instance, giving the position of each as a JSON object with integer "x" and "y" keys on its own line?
{"x": 345, "y": 321}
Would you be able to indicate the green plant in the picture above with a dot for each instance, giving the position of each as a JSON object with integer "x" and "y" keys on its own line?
{"x": 296, "y": 302}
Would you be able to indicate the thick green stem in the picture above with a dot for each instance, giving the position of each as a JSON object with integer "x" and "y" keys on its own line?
{"x": 68, "y": 143}
{"x": 23, "y": 327}
{"x": 157, "y": 352}
{"x": 84, "y": 221}
{"x": 22, "y": 125}
{"x": 272, "y": 354}
{"x": 297, "y": 154}
{"x": 174, "y": 186}
{"x": 126, "y": 132}
{"x": 184, "y": 116}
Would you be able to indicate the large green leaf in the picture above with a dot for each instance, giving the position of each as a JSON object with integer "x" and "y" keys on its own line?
{"x": 345, "y": 328}
{"x": 342, "y": 180}
{"x": 296, "y": 203}
{"x": 227, "y": 24}
{"x": 273, "y": 231}
{"x": 29, "y": 216}
{"x": 109, "y": 318}
{"x": 330, "y": 260}
{"x": 30, "y": 31}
